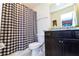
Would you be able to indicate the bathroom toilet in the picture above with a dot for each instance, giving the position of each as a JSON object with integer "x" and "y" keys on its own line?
{"x": 37, "y": 47}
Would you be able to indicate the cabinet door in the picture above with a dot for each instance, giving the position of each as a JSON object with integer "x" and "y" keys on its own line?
{"x": 50, "y": 44}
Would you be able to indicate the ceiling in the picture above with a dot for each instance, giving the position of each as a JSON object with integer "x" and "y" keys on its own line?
{"x": 32, "y": 5}
{"x": 57, "y": 6}
{"x": 53, "y": 6}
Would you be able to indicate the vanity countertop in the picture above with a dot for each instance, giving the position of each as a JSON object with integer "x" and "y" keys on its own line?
{"x": 65, "y": 28}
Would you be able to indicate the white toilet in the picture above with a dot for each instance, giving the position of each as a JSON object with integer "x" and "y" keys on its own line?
{"x": 37, "y": 47}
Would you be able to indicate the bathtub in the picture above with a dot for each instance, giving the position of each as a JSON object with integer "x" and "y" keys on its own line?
{"x": 26, "y": 52}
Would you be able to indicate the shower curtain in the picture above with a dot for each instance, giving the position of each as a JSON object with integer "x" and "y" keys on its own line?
{"x": 18, "y": 27}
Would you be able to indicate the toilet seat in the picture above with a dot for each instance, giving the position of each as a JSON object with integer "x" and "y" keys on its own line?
{"x": 34, "y": 45}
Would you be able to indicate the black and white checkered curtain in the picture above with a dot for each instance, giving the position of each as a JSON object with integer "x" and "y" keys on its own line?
{"x": 8, "y": 33}
{"x": 18, "y": 27}
{"x": 35, "y": 26}
{"x": 23, "y": 43}
{"x": 30, "y": 35}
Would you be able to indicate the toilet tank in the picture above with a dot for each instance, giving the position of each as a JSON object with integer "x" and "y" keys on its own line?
{"x": 40, "y": 38}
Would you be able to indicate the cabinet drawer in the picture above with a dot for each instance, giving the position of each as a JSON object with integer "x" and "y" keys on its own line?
{"x": 62, "y": 34}
{"x": 77, "y": 34}
{"x": 48, "y": 33}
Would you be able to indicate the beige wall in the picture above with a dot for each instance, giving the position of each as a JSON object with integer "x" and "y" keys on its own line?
{"x": 56, "y": 15}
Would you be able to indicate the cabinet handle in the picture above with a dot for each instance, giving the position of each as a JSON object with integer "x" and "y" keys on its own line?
{"x": 60, "y": 41}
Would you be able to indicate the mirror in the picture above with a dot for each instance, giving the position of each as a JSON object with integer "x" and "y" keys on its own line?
{"x": 65, "y": 15}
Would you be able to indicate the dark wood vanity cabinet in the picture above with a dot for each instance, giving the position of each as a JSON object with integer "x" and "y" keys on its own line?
{"x": 62, "y": 43}
{"x": 51, "y": 46}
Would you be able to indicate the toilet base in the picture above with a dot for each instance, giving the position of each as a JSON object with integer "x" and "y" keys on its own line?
{"x": 37, "y": 52}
